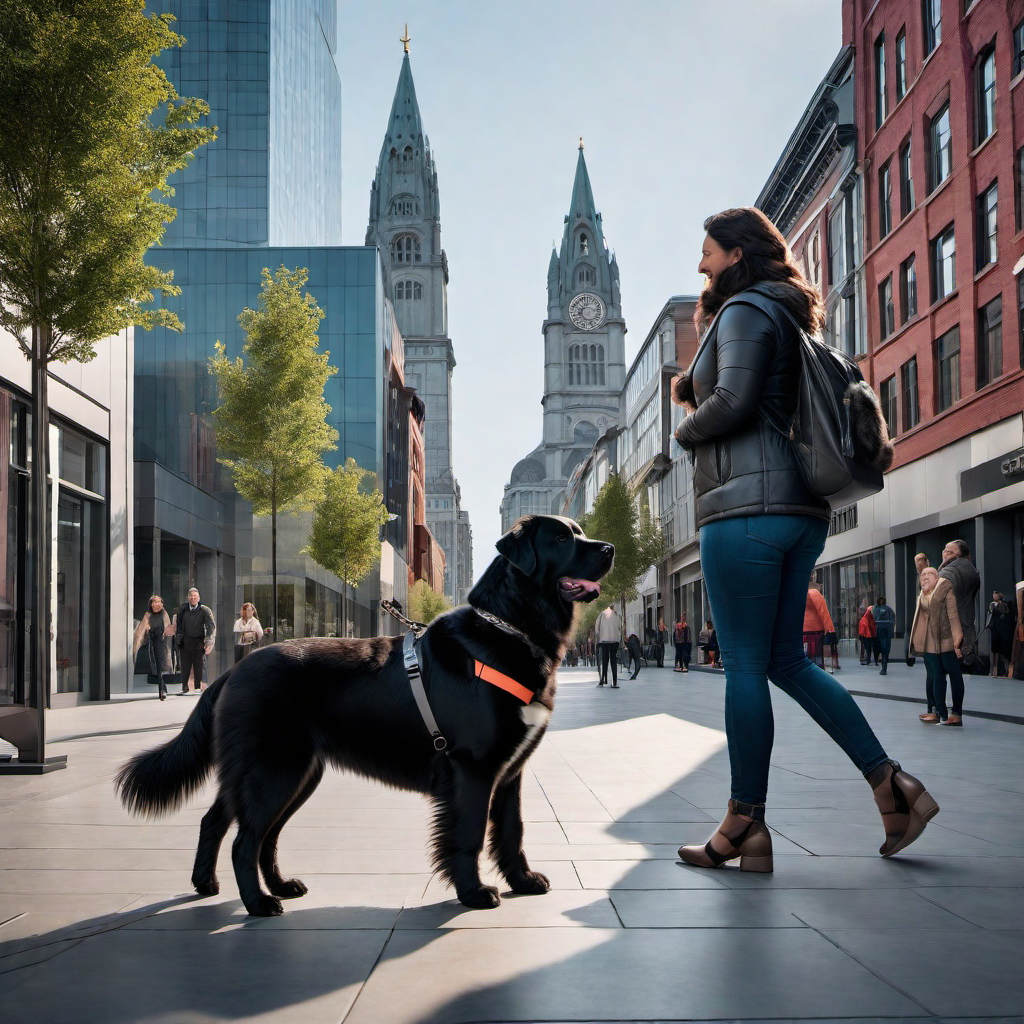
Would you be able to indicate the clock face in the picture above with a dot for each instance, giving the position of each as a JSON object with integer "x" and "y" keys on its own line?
{"x": 586, "y": 311}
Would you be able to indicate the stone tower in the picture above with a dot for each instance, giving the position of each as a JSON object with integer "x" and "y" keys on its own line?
{"x": 405, "y": 225}
{"x": 584, "y": 358}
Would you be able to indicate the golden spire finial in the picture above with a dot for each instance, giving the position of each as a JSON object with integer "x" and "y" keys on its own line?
{"x": 581, "y": 142}
{"x": 405, "y": 39}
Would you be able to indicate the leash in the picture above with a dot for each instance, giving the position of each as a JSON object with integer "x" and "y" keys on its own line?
{"x": 506, "y": 627}
{"x": 389, "y": 607}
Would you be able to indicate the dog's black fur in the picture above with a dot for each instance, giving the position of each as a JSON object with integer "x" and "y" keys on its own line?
{"x": 272, "y": 723}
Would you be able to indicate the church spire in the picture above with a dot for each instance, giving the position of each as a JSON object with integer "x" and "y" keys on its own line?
{"x": 582, "y": 205}
{"x": 405, "y": 122}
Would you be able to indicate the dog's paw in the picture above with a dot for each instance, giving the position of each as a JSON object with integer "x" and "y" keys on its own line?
{"x": 484, "y": 897}
{"x": 532, "y": 883}
{"x": 289, "y": 890}
{"x": 207, "y": 887}
{"x": 267, "y": 906}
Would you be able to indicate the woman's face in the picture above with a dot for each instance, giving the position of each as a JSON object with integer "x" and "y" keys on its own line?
{"x": 156, "y": 605}
{"x": 929, "y": 577}
{"x": 715, "y": 259}
{"x": 246, "y": 612}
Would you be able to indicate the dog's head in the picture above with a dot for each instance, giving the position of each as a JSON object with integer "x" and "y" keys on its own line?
{"x": 554, "y": 552}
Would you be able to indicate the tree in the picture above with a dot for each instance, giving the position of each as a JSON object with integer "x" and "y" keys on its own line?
{"x": 271, "y": 422}
{"x": 622, "y": 518}
{"x": 345, "y": 538}
{"x": 91, "y": 131}
{"x": 425, "y": 603}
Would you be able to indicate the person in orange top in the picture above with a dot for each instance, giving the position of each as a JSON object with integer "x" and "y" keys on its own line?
{"x": 868, "y": 637}
{"x": 817, "y": 622}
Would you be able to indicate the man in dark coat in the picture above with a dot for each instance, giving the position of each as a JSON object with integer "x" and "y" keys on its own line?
{"x": 958, "y": 568}
{"x": 196, "y": 632}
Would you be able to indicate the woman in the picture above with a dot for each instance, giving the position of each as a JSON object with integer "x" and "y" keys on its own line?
{"x": 662, "y": 639}
{"x": 1002, "y": 621}
{"x": 682, "y": 640}
{"x": 156, "y": 632}
{"x": 248, "y": 631}
{"x": 761, "y": 531}
{"x": 817, "y": 623}
{"x": 938, "y": 637}
{"x": 868, "y": 632}
{"x": 635, "y": 653}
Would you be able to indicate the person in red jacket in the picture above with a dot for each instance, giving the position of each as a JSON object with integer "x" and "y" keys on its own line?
{"x": 817, "y": 623}
{"x": 868, "y": 637}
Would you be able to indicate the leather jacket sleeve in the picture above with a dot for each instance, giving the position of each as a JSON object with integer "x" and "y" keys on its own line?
{"x": 745, "y": 348}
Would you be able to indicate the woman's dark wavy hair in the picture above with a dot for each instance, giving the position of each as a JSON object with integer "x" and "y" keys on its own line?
{"x": 766, "y": 259}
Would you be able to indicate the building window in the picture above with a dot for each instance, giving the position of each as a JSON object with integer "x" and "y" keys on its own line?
{"x": 947, "y": 357}
{"x": 1019, "y": 190}
{"x": 586, "y": 275}
{"x": 1020, "y": 315}
{"x": 906, "y": 180}
{"x": 986, "y": 231}
{"x": 908, "y": 385}
{"x": 990, "y": 341}
{"x": 886, "y": 310}
{"x": 408, "y": 290}
{"x": 908, "y": 288}
{"x": 1018, "y": 48}
{"x": 986, "y": 87}
{"x": 885, "y": 200}
{"x": 901, "y": 65}
{"x": 837, "y": 247}
{"x": 586, "y": 364}
{"x": 931, "y": 17}
{"x": 843, "y": 519}
{"x": 404, "y": 206}
{"x": 940, "y": 149}
{"x": 815, "y": 262}
{"x": 405, "y": 249}
{"x": 943, "y": 264}
{"x": 880, "y": 104}
{"x": 887, "y": 398}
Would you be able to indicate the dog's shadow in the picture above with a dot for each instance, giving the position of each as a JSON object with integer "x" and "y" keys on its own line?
{"x": 318, "y": 956}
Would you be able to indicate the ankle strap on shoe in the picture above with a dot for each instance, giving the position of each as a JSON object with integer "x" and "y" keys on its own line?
{"x": 755, "y": 811}
{"x": 879, "y": 773}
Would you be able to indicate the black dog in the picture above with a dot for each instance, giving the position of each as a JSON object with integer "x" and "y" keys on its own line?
{"x": 272, "y": 723}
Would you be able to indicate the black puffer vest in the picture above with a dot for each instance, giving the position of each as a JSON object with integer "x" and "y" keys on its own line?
{"x": 743, "y": 376}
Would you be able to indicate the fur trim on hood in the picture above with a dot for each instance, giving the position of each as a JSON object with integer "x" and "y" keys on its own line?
{"x": 870, "y": 434}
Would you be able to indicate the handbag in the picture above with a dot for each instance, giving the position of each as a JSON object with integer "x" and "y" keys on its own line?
{"x": 839, "y": 435}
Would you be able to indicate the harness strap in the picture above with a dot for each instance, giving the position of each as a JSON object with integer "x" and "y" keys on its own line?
{"x": 414, "y": 670}
{"x": 502, "y": 681}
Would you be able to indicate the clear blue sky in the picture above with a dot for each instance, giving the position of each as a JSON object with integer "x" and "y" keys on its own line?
{"x": 684, "y": 108}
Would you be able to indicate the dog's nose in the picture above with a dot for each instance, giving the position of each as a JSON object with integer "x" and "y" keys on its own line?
{"x": 607, "y": 549}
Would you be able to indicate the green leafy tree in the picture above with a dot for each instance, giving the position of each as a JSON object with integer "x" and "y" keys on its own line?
{"x": 91, "y": 130}
{"x": 425, "y": 603}
{"x": 345, "y": 538}
{"x": 271, "y": 422}
{"x": 622, "y": 518}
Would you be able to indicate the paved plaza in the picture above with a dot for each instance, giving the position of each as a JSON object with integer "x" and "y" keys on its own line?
{"x": 98, "y": 924}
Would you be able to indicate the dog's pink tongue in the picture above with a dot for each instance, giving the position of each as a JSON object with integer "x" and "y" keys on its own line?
{"x": 586, "y": 586}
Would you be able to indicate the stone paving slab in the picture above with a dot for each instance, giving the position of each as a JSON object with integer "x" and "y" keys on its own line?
{"x": 97, "y": 921}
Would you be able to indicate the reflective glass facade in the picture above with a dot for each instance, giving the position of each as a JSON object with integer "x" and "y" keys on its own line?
{"x": 266, "y": 67}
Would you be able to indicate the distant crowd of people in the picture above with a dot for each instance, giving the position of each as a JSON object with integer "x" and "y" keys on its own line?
{"x": 177, "y": 645}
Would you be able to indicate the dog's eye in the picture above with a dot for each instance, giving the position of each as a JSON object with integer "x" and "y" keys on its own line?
{"x": 562, "y": 538}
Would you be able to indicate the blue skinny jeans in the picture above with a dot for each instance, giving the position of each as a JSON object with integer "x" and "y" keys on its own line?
{"x": 756, "y": 570}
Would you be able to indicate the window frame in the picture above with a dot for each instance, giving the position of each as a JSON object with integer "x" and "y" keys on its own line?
{"x": 885, "y": 199}
{"x": 934, "y": 246}
{"x": 1017, "y": 40}
{"x": 936, "y": 150}
{"x": 886, "y": 310}
{"x": 908, "y": 287}
{"x": 888, "y": 399}
{"x": 985, "y": 97}
{"x": 931, "y": 27}
{"x": 947, "y": 370}
{"x": 906, "y": 162}
{"x": 989, "y": 357}
{"x": 900, "y": 57}
{"x": 881, "y": 93}
{"x": 986, "y": 226}
{"x": 911, "y": 404}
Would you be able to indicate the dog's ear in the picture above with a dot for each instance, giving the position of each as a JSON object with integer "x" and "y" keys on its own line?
{"x": 517, "y": 547}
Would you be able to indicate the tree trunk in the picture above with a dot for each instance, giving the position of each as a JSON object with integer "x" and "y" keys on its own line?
{"x": 273, "y": 554}
{"x": 40, "y": 543}
{"x": 344, "y": 608}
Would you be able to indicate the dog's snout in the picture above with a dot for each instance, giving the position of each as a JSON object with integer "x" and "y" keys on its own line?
{"x": 608, "y": 549}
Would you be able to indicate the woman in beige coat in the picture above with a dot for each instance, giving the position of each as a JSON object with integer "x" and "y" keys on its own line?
{"x": 938, "y": 637}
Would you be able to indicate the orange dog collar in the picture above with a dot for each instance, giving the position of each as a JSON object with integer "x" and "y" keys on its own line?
{"x": 502, "y": 681}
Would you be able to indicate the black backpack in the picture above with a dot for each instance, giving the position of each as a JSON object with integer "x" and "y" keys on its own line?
{"x": 839, "y": 435}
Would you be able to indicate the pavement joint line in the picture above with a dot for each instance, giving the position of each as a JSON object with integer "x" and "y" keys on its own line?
{"x": 990, "y": 715}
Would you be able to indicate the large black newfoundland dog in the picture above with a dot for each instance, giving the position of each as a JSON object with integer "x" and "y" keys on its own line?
{"x": 273, "y": 722}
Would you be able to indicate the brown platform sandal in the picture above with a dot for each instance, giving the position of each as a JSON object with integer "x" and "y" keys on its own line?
{"x": 742, "y": 834}
{"x": 905, "y": 805}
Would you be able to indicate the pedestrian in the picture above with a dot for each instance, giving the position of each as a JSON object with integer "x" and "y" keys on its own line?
{"x": 921, "y": 562}
{"x": 714, "y": 651}
{"x": 683, "y": 643}
{"x": 662, "y": 640}
{"x": 762, "y": 530}
{"x": 817, "y": 623}
{"x": 248, "y": 631}
{"x": 958, "y": 568}
{"x": 155, "y": 633}
{"x": 609, "y": 637}
{"x": 937, "y": 635}
{"x": 885, "y": 629}
{"x": 867, "y": 632}
{"x": 196, "y": 631}
{"x": 703, "y": 639}
{"x": 1017, "y": 658}
{"x": 1002, "y": 622}
{"x": 635, "y": 653}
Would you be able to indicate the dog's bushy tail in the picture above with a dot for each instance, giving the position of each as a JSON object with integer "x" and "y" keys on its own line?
{"x": 160, "y": 780}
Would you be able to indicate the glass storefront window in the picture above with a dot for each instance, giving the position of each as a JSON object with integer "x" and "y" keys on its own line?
{"x": 850, "y": 586}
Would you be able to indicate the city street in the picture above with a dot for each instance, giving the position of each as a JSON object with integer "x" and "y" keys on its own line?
{"x": 98, "y": 924}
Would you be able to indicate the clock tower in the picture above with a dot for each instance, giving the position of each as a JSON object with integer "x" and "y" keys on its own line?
{"x": 584, "y": 358}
